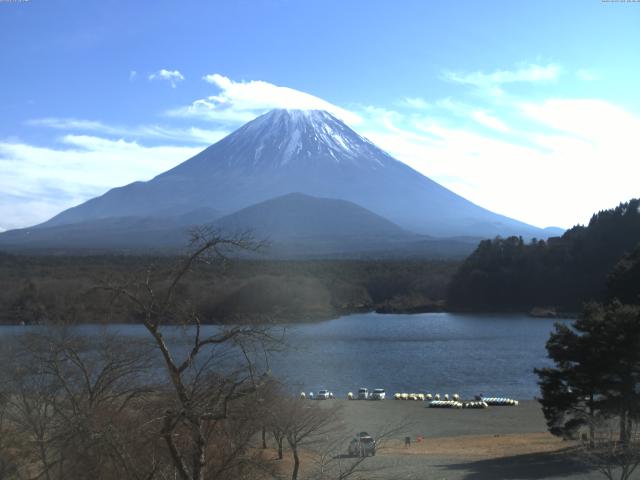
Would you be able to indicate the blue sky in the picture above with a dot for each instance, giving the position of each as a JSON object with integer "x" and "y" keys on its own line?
{"x": 530, "y": 109}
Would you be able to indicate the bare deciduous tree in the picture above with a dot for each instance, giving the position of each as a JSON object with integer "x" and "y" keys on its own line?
{"x": 316, "y": 434}
{"x": 305, "y": 423}
{"x": 205, "y": 377}
{"x": 76, "y": 406}
{"x": 616, "y": 460}
{"x": 178, "y": 403}
{"x": 7, "y": 454}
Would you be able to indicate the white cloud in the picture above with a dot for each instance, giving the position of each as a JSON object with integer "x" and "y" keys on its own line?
{"x": 416, "y": 103}
{"x": 530, "y": 73}
{"x": 193, "y": 135}
{"x": 470, "y": 112}
{"x": 132, "y": 75}
{"x": 588, "y": 162}
{"x": 20, "y": 212}
{"x": 597, "y": 121}
{"x": 171, "y": 76}
{"x": 243, "y": 101}
{"x": 38, "y": 182}
{"x": 560, "y": 160}
{"x": 489, "y": 121}
{"x": 526, "y": 174}
{"x": 68, "y": 124}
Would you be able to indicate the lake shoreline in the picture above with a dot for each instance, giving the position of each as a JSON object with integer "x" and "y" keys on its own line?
{"x": 423, "y": 353}
{"x": 318, "y": 318}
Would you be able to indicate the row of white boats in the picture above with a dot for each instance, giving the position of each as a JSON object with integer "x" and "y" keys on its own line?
{"x": 455, "y": 398}
{"x": 435, "y": 400}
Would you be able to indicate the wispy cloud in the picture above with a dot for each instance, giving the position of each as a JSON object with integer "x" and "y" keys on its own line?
{"x": 556, "y": 165}
{"x": 416, "y": 103}
{"x": 472, "y": 112}
{"x": 171, "y": 76}
{"x": 192, "y": 135}
{"x": 489, "y": 121}
{"x": 593, "y": 120}
{"x": 243, "y": 101}
{"x": 38, "y": 182}
{"x": 132, "y": 75}
{"x": 521, "y": 158}
{"x": 530, "y": 73}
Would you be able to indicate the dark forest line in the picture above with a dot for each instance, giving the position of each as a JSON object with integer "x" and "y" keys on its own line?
{"x": 597, "y": 262}
{"x": 72, "y": 289}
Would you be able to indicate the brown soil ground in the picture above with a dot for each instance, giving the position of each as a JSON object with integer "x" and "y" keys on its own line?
{"x": 479, "y": 446}
{"x": 495, "y": 443}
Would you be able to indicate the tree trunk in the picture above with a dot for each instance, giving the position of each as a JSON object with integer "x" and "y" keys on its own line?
{"x": 199, "y": 458}
{"x": 296, "y": 463}
{"x": 279, "y": 440}
{"x": 264, "y": 438}
{"x": 592, "y": 427}
{"x": 176, "y": 456}
{"x": 43, "y": 457}
{"x": 623, "y": 428}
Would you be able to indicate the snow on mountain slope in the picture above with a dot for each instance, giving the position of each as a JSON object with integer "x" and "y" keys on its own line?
{"x": 311, "y": 152}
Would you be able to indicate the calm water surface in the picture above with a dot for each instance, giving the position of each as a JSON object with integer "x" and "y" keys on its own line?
{"x": 433, "y": 352}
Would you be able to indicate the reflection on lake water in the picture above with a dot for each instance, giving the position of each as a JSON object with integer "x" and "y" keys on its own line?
{"x": 433, "y": 352}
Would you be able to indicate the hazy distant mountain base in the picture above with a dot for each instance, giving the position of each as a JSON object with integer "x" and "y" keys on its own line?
{"x": 386, "y": 205}
{"x": 294, "y": 226}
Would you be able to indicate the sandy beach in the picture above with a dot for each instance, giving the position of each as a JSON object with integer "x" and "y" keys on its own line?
{"x": 494, "y": 443}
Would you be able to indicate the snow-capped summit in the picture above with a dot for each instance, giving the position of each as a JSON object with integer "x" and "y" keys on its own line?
{"x": 306, "y": 151}
{"x": 306, "y": 137}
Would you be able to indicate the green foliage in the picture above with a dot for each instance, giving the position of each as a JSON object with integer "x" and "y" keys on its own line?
{"x": 565, "y": 272}
{"x": 597, "y": 370}
{"x": 624, "y": 280}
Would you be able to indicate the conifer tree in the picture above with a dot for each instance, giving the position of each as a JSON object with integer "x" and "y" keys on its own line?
{"x": 596, "y": 373}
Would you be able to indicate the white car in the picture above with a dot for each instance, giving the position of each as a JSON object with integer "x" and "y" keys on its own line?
{"x": 324, "y": 395}
{"x": 362, "y": 445}
{"x": 363, "y": 393}
{"x": 378, "y": 394}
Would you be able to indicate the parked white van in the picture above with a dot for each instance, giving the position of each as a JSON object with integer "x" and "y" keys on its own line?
{"x": 378, "y": 394}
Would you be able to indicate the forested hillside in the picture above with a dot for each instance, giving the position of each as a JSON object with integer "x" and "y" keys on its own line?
{"x": 69, "y": 289}
{"x": 563, "y": 272}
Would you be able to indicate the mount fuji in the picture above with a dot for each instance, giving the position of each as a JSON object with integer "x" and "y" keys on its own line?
{"x": 309, "y": 152}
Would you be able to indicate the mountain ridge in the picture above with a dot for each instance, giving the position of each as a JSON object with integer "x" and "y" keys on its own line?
{"x": 312, "y": 152}
{"x": 297, "y": 215}
{"x": 293, "y": 226}
{"x": 284, "y": 152}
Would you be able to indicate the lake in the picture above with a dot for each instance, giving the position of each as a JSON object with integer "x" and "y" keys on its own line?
{"x": 450, "y": 353}
{"x": 432, "y": 352}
